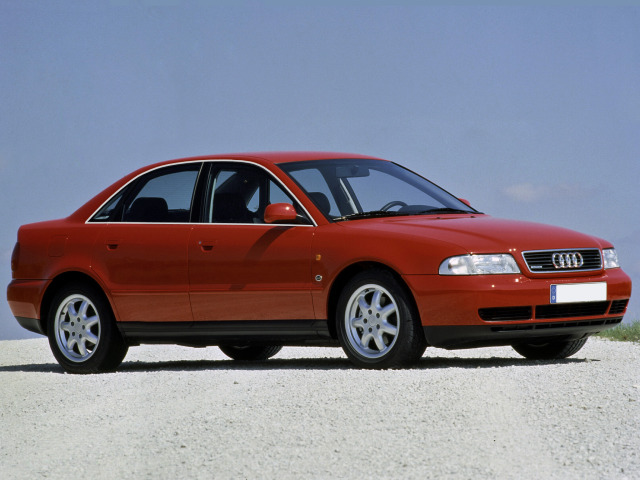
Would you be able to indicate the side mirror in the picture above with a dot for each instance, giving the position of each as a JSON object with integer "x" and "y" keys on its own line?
{"x": 466, "y": 202}
{"x": 280, "y": 212}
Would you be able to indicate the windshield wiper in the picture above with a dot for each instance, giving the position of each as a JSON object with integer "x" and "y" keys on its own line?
{"x": 387, "y": 213}
{"x": 443, "y": 210}
{"x": 371, "y": 214}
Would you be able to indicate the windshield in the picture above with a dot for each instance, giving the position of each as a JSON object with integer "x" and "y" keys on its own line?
{"x": 356, "y": 188}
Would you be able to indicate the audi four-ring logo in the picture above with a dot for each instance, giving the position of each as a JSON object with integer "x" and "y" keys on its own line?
{"x": 567, "y": 260}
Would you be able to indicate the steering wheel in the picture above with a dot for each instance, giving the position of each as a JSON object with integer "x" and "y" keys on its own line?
{"x": 394, "y": 203}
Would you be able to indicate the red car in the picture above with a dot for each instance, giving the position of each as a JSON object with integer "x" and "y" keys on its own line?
{"x": 254, "y": 251}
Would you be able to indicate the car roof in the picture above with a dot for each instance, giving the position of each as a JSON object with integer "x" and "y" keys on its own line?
{"x": 276, "y": 157}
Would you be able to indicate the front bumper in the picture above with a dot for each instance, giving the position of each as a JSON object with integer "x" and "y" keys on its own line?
{"x": 484, "y": 310}
{"x": 498, "y": 335}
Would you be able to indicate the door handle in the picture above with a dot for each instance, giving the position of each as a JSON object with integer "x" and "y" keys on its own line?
{"x": 112, "y": 245}
{"x": 206, "y": 246}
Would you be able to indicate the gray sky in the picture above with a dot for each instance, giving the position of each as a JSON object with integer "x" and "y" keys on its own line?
{"x": 529, "y": 112}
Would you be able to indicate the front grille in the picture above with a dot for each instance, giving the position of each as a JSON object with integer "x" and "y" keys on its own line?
{"x": 618, "y": 306}
{"x": 501, "y": 314}
{"x": 562, "y": 310}
{"x": 541, "y": 261}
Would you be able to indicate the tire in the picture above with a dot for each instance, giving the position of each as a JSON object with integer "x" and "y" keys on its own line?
{"x": 82, "y": 332}
{"x": 549, "y": 351}
{"x": 377, "y": 324}
{"x": 253, "y": 353}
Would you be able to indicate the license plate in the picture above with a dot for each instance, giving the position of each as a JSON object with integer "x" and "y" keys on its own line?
{"x": 579, "y": 292}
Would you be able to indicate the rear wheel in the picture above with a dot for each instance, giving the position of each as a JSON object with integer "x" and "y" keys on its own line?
{"x": 250, "y": 352}
{"x": 550, "y": 350}
{"x": 378, "y": 326}
{"x": 82, "y": 332}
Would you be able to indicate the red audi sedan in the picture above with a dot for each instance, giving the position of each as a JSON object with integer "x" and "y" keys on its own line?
{"x": 251, "y": 252}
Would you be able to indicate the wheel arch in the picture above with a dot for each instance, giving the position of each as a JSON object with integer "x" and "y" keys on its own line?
{"x": 57, "y": 283}
{"x": 347, "y": 274}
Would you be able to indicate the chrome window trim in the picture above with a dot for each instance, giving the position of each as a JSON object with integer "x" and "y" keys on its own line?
{"x": 568, "y": 270}
{"x": 272, "y": 176}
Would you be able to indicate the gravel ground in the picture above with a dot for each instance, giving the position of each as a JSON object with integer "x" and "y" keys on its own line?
{"x": 173, "y": 412}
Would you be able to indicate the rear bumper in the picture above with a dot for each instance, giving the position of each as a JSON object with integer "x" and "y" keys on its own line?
{"x": 31, "y": 324}
{"x": 499, "y": 335}
{"x": 24, "y": 298}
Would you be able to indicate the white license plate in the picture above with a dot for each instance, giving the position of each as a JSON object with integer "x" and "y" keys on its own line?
{"x": 579, "y": 292}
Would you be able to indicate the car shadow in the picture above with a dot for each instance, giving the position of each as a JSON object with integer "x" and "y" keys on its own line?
{"x": 33, "y": 368}
{"x": 431, "y": 363}
{"x": 426, "y": 363}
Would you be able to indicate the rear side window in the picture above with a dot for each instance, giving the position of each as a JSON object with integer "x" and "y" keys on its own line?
{"x": 109, "y": 210}
{"x": 162, "y": 196}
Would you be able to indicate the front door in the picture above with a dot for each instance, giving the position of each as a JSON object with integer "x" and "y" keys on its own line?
{"x": 241, "y": 268}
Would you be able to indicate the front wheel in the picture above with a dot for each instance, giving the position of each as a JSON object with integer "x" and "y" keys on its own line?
{"x": 82, "y": 332}
{"x": 250, "y": 352}
{"x": 378, "y": 326}
{"x": 549, "y": 351}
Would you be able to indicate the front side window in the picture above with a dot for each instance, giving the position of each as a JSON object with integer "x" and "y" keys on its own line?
{"x": 355, "y": 188}
{"x": 240, "y": 193}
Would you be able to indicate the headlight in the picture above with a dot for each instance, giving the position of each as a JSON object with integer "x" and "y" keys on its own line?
{"x": 610, "y": 258}
{"x": 479, "y": 265}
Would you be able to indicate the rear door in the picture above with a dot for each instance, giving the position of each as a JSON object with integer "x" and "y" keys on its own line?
{"x": 142, "y": 253}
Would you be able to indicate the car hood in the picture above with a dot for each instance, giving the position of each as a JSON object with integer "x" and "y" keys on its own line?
{"x": 480, "y": 233}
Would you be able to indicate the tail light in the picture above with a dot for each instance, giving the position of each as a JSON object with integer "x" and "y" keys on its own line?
{"x": 15, "y": 256}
